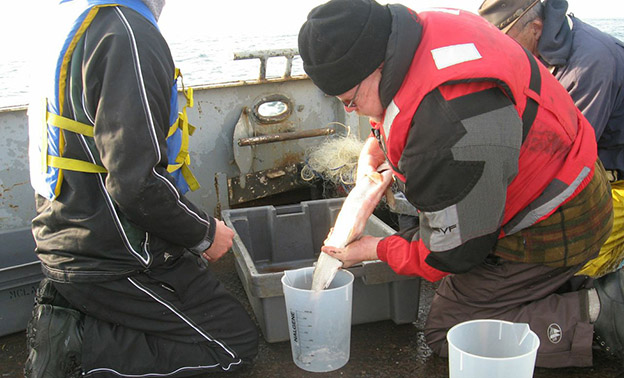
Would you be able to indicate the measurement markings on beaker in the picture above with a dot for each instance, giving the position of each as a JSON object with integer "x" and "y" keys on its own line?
{"x": 304, "y": 324}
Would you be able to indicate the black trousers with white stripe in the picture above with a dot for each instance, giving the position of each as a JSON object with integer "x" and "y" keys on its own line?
{"x": 175, "y": 321}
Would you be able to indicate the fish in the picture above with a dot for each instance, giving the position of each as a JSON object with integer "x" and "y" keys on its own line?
{"x": 351, "y": 221}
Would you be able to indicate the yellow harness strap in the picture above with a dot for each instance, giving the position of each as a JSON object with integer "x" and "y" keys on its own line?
{"x": 60, "y": 162}
{"x": 183, "y": 160}
{"x": 70, "y": 125}
{"x": 74, "y": 165}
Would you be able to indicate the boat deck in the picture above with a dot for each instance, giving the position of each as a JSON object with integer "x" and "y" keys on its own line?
{"x": 380, "y": 349}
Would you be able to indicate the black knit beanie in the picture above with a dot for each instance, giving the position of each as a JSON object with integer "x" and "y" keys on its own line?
{"x": 342, "y": 42}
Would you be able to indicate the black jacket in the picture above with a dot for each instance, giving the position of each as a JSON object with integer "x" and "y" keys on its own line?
{"x": 106, "y": 226}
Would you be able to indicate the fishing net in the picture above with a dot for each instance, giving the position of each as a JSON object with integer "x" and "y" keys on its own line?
{"x": 334, "y": 161}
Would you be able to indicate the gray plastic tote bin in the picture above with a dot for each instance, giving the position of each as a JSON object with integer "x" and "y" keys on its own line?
{"x": 269, "y": 240}
{"x": 20, "y": 273}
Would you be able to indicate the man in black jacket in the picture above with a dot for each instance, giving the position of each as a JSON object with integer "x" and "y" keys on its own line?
{"x": 126, "y": 293}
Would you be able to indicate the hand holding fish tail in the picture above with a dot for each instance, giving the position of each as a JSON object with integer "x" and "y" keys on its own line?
{"x": 363, "y": 249}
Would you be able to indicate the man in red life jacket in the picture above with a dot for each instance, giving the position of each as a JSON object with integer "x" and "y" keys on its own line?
{"x": 493, "y": 153}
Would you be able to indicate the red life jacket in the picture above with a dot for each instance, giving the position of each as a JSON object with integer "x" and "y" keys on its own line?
{"x": 558, "y": 142}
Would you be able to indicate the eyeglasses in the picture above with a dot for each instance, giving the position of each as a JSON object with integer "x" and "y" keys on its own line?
{"x": 352, "y": 103}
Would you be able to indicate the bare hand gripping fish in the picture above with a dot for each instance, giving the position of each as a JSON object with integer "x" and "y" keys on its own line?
{"x": 350, "y": 223}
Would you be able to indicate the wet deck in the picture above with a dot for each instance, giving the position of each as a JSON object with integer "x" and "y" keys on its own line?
{"x": 380, "y": 349}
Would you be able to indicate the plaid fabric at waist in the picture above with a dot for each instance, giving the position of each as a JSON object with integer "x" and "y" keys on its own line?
{"x": 571, "y": 235}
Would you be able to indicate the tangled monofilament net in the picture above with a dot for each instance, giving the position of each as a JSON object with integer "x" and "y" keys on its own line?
{"x": 335, "y": 160}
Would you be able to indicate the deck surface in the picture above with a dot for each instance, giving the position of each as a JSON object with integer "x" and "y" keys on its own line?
{"x": 380, "y": 349}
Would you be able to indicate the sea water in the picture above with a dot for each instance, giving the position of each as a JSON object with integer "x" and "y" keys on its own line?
{"x": 203, "y": 59}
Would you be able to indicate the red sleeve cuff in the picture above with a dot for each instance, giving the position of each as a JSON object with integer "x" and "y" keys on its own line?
{"x": 382, "y": 250}
{"x": 407, "y": 258}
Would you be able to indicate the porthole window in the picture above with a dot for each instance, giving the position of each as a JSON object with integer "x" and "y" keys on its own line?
{"x": 272, "y": 109}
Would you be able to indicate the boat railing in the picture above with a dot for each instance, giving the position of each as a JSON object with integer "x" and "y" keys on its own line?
{"x": 264, "y": 56}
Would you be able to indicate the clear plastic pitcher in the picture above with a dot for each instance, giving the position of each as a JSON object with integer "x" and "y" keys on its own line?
{"x": 491, "y": 348}
{"x": 319, "y": 322}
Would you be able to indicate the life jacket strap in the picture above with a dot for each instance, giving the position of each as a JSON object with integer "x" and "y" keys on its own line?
{"x": 68, "y": 163}
{"x": 183, "y": 160}
{"x": 69, "y": 124}
{"x": 191, "y": 181}
{"x": 532, "y": 106}
{"x": 74, "y": 165}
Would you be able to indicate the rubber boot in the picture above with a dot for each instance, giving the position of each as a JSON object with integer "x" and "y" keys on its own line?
{"x": 609, "y": 327}
{"x": 54, "y": 338}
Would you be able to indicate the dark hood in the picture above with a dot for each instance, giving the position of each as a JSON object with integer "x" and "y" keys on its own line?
{"x": 555, "y": 44}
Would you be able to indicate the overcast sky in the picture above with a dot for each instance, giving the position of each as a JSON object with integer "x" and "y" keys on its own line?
{"x": 286, "y": 16}
{"x": 21, "y": 20}
{"x": 24, "y": 34}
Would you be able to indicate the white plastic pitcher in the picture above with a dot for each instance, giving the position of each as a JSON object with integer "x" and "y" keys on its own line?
{"x": 319, "y": 322}
{"x": 491, "y": 348}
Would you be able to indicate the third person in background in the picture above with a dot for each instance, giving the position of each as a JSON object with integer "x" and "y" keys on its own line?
{"x": 589, "y": 64}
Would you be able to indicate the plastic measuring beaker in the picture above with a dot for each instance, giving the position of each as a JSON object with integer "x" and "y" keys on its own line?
{"x": 491, "y": 348}
{"x": 319, "y": 322}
